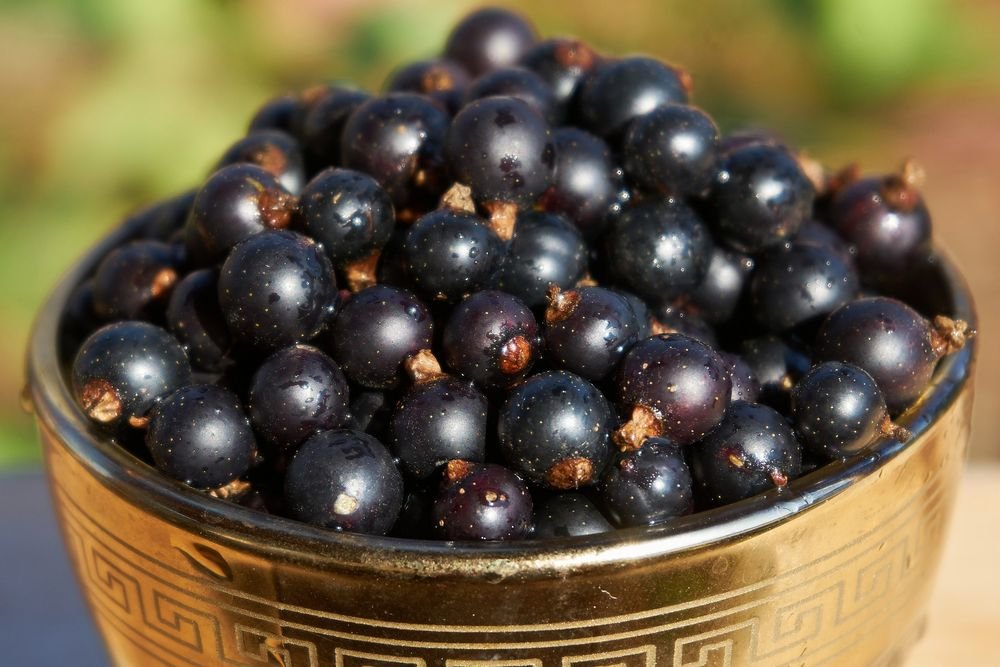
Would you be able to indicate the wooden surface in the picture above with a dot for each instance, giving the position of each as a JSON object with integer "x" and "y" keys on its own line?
{"x": 46, "y": 622}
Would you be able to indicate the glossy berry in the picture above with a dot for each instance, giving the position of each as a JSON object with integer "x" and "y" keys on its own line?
{"x": 236, "y": 202}
{"x": 503, "y": 150}
{"x": 273, "y": 150}
{"x": 134, "y": 280}
{"x": 546, "y": 250}
{"x": 800, "y": 284}
{"x": 438, "y": 420}
{"x": 838, "y": 410}
{"x": 344, "y": 480}
{"x": 488, "y": 39}
{"x": 892, "y": 342}
{"x": 671, "y": 385}
{"x": 586, "y": 183}
{"x": 628, "y": 88}
{"x": 659, "y": 248}
{"x": 193, "y": 315}
{"x": 491, "y": 338}
{"x": 323, "y": 125}
{"x": 589, "y": 329}
{"x": 277, "y": 113}
{"x": 671, "y": 319}
{"x": 517, "y": 82}
{"x": 777, "y": 365}
{"x": 751, "y": 451}
{"x": 296, "y": 392}
{"x": 745, "y": 385}
{"x": 123, "y": 369}
{"x": 760, "y": 197}
{"x": 717, "y": 296}
{"x": 817, "y": 233}
{"x": 561, "y": 63}
{"x": 568, "y": 514}
{"x": 643, "y": 315}
{"x": 647, "y": 486}
{"x": 398, "y": 139}
{"x": 78, "y": 319}
{"x": 276, "y": 289}
{"x": 450, "y": 254}
{"x": 555, "y": 430}
{"x": 376, "y": 331}
{"x": 347, "y": 212}
{"x": 481, "y": 501}
{"x": 200, "y": 435}
{"x": 162, "y": 220}
{"x": 443, "y": 81}
{"x": 671, "y": 149}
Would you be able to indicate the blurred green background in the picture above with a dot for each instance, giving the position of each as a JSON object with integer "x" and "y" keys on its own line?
{"x": 111, "y": 103}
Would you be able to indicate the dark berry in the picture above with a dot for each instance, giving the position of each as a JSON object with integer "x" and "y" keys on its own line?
{"x": 503, "y": 150}
{"x": 546, "y": 250}
{"x": 440, "y": 419}
{"x": 777, "y": 365}
{"x": 123, "y": 369}
{"x": 488, "y": 39}
{"x": 296, "y": 392}
{"x": 134, "y": 279}
{"x": 745, "y": 385}
{"x": 555, "y": 429}
{"x": 671, "y": 385}
{"x": 344, "y": 480}
{"x": 276, "y": 289}
{"x": 376, "y": 331}
{"x": 643, "y": 316}
{"x": 816, "y": 233}
{"x": 890, "y": 341}
{"x": 162, "y": 220}
{"x": 569, "y": 514}
{"x": 200, "y": 435}
{"x": 516, "y": 82}
{"x": 751, "y": 451}
{"x": 659, "y": 249}
{"x": 838, "y": 410}
{"x": 491, "y": 338}
{"x": 800, "y": 284}
{"x": 273, "y": 150}
{"x": 193, "y": 315}
{"x": 562, "y": 64}
{"x": 323, "y": 125}
{"x": 671, "y": 149}
{"x": 441, "y": 80}
{"x": 625, "y": 89}
{"x": 481, "y": 501}
{"x": 78, "y": 319}
{"x": 278, "y": 113}
{"x": 647, "y": 486}
{"x": 370, "y": 412}
{"x": 450, "y": 254}
{"x": 586, "y": 183}
{"x": 760, "y": 197}
{"x": 684, "y": 320}
{"x": 588, "y": 330}
{"x": 717, "y": 296}
{"x": 398, "y": 139}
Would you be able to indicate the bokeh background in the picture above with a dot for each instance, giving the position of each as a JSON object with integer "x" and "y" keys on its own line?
{"x": 108, "y": 104}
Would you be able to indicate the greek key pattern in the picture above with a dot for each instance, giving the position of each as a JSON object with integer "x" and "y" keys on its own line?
{"x": 199, "y": 617}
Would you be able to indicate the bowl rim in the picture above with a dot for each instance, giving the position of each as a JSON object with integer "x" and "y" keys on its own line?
{"x": 292, "y": 541}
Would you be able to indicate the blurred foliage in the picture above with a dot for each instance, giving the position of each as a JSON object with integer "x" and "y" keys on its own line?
{"x": 112, "y": 103}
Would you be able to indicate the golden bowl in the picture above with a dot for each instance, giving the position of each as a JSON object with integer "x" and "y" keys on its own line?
{"x": 833, "y": 570}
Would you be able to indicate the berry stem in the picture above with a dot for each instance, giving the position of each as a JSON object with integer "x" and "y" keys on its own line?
{"x": 948, "y": 335}
{"x": 503, "y": 219}
{"x": 643, "y": 424}
{"x": 561, "y": 304}
{"x": 423, "y": 367}
{"x": 458, "y": 198}
{"x": 232, "y": 490}
{"x": 361, "y": 273}
{"x": 570, "y": 473}
{"x": 891, "y": 429}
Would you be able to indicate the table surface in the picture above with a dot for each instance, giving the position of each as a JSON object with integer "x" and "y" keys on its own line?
{"x": 46, "y": 623}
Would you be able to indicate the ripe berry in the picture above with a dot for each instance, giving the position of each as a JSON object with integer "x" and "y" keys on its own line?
{"x": 488, "y": 39}
{"x": 672, "y": 149}
{"x": 561, "y": 63}
{"x": 123, "y": 369}
{"x": 745, "y": 385}
{"x": 193, "y": 316}
{"x": 671, "y": 385}
{"x": 517, "y": 82}
{"x": 588, "y": 330}
{"x": 760, "y": 197}
{"x": 273, "y": 150}
{"x": 569, "y": 515}
{"x": 838, "y": 410}
{"x": 162, "y": 220}
{"x": 375, "y": 332}
{"x": 684, "y": 320}
{"x": 481, "y": 501}
{"x": 628, "y": 88}
{"x": 659, "y": 248}
{"x": 555, "y": 430}
{"x": 647, "y": 486}
{"x": 717, "y": 296}
{"x": 134, "y": 280}
{"x": 236, "y": 202}
{"x": 586, "y": 183}
{"x": 296, "y": 392}
{"x": 200, "y": 435}
{"x": 491, "y": 338}
{"x": 817, "y": 233}
{"x": 643, "y": 316}
{"x": 344, "y": 480}
{"x": 546, "y": 250}
{"x": 278, "y": 113}
{"x": 777, "y": 365}
{"x": 751, "y": 451}
{"x": 890, "y": 341}
{"x": 276, "y": 289}
{"x": 323, "y": 125}
{"x": 441, "y": 80}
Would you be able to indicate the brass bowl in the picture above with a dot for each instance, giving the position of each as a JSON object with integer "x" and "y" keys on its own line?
{"x": 836, "y": 569}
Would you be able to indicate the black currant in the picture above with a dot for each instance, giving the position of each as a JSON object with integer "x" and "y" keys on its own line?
{"x": 193, "y": 315}
{"x": 589, "y": 329}
{"x": 277, "y": 113}
{"x": 745, "y": 385}
{"x": 586, "y": 184}
{"x": 546, "y": 250}
{"x": 671, "y": 149}
{"x": 777, "y": 365}
{"x": 569, "y": 514}
{"x": 439, "y": 79}
{"x": 717, "y": 296}
{"x": 647, "y": 486}
{"x": 273, "y": 150}
{"x": 481, "y": 501}
{"x": 322, "y": 125}
{"x": 488, "y": 39}
{"x": 561, "y": 63}
{"x": 162, "y": 220}
{"x": 516, "y": 82}
{"x": 134, "y": 280}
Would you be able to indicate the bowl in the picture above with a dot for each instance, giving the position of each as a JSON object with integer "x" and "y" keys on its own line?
{"x": 834, "y": 569}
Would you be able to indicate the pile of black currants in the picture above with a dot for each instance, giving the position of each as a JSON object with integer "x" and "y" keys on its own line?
{"x": 528, "y": 290}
